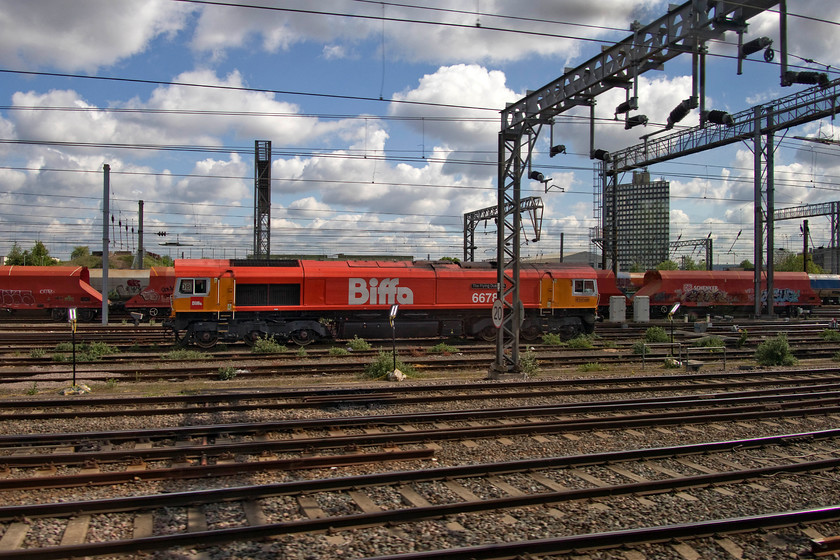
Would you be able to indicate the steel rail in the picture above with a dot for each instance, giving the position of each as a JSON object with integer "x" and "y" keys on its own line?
{"x": 616, "y": 539}
{"x": 414, "y": 514}
{"x": 400, "y": 477}
{"x": 326, "y": 392}
{"x": 181, "y": 432}
{"x": 204, "y": 470}
{"x": 86, "y": 408}
{"x": 390, "y": 439}
{"x": 817, "y": 349}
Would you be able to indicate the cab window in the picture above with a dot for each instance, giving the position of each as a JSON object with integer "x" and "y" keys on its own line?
{"x": 193, "y": 286}
{"x": 584, "y": 287}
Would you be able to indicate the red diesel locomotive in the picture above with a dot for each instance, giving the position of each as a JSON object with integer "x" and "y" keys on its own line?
{"x": 302, "y": 301}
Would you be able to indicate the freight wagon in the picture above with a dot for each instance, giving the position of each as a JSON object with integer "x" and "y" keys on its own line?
{"x": 49, "y": 291}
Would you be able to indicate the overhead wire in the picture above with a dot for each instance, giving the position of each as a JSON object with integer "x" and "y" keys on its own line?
{"x": 312, "y": 154}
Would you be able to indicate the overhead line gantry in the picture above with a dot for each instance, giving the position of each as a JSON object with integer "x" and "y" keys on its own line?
{"x": 684, "y": 29}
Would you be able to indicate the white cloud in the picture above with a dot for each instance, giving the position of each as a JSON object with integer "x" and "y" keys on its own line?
{"x": 83, "y": 35}
{"x": 452, "y": 34}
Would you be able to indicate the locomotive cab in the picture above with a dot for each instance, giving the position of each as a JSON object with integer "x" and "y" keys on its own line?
{"x": 202, "y": 307}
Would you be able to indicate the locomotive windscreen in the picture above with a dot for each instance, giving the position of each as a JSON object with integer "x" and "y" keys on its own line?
{"x": 267, "y": 294}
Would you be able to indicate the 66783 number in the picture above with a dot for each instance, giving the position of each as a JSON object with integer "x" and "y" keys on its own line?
{"x": 484, "y": 297}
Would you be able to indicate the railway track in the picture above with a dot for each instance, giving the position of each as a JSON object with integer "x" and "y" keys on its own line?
{"x": 731, "y": 384}
{"x": 147, "y": 367}
{"x": 595, "y": 500}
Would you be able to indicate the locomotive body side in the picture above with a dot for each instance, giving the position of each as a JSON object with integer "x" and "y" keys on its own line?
{"x": 50, "y": 289}
{"x": 302, "y": 301}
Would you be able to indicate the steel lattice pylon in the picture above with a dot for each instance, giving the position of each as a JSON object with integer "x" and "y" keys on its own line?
{"x": 262, "y": 199}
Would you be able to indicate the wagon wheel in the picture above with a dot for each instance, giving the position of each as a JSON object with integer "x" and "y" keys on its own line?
{"x": 304, "y": 337}
{"x": 58, "y": 314}
{"x": 86, "y": 315}
{"x": 153, "y": 311}
{"x": 205, "y": 339}
{"x": 487, "y": 334}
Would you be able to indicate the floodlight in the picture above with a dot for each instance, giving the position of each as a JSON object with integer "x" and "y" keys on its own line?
{"x": 627, "y": 106}
{"x": 536, "y": 176}
{"x": 754, "y": 46}
{"x": 680, "y": 112}
{"x": 601, "y": 155}
{"x": 808, "y": 78}
{"x": 635, "y": 120}
{"x": 558, "y": 149}
{"x": 720, "y": 117}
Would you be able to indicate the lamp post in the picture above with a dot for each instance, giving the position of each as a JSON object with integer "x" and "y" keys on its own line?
{"x": 391, "y": 317}
{"x": 71, "y": 316}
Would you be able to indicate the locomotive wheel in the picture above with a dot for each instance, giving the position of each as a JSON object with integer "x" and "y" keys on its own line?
{"x": 180, "y": 338}
{"x": 530, "y": 333}
{"x": 304, "y": 337}
{"x": 205, "y": 339}
{"x": 252, "y": 337}
{"x": 571, "y": 331}
{"x": 487, "y": 334}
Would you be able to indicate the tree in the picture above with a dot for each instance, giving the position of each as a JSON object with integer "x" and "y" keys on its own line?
{"x": 80, "y": 253}
{"x": 667, "y": 265}
{"x": 15, "y": 256}
{"x": 689, "y": 264}
{"x": 38, "y": 256}
{"x": 81, "y": 257}
{"x": 746, "y": 265}
{"x": 792, "y": 262}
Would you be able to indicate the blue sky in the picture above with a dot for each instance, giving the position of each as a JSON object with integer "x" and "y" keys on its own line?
{"x": 383, "y": 127}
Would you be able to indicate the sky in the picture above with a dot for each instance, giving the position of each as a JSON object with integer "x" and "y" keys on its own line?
{"x": 383, "y": 118}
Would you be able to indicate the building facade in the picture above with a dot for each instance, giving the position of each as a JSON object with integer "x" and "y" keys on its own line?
{"x": 642, "y": 217}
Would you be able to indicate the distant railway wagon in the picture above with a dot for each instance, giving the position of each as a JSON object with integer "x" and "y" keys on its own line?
{"x": 154, "y": 299}
{"x": 700, "y": 292}
{"x": 302, "y": 301}
{"x": 607, "y": 288}
{"x": 827, "y": 287}
{"x": 123, "y": 284}
{"x": 49, "y": 291}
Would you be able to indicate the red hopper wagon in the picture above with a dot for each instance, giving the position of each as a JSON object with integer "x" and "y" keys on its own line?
{"x": 49, "y": 289}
